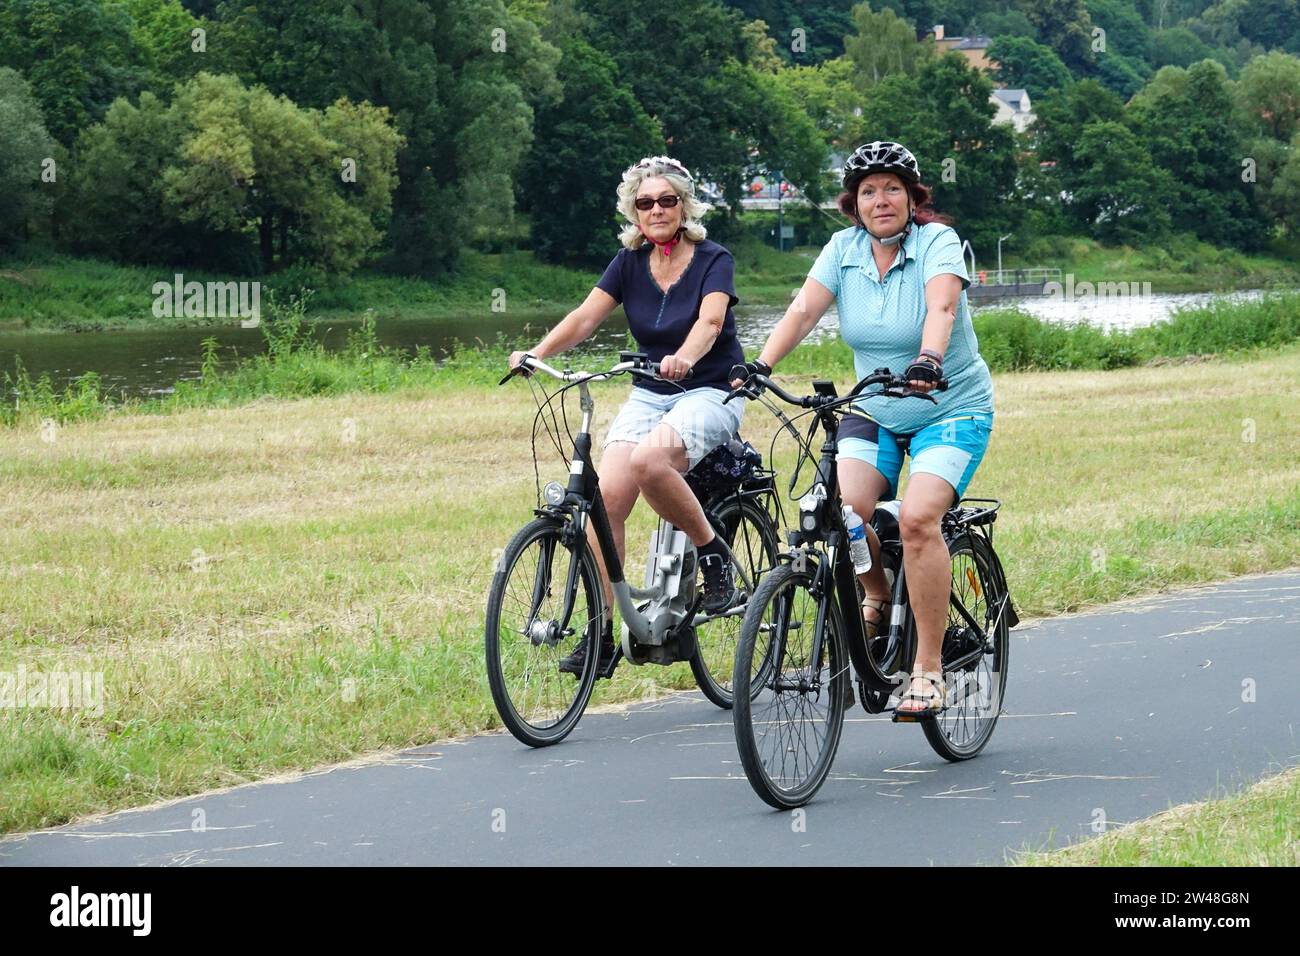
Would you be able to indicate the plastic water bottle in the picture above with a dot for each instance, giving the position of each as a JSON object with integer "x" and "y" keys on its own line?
{"x": 859, "y": 547}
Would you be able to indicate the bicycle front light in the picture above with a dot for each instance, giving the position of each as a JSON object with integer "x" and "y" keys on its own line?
{"x": 553, "y": 493}
{"x": 809, "y": 505}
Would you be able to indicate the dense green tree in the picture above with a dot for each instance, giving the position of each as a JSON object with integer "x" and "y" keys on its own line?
{"x": 461, "y": 77}
{"x": 1117, "y": 188}
{"x": 1126, "y": 31}
{"x": 78, "y": 55}
{"x": 115, "y": 206}
{"x": 1065, "y": 26}
{"x": 1178, "y": 46}
{"x": 883, "y": 44}
{"x": 825, "y": 93}
{"x": 223, "y": 163}
{"x": 1268, "y": 95}
{"x": 697, "y": 84}
{"x": 1284, "y": 191}
{"x": 1273, "y": 24}
{"x": 1186, "y": 123}
{"x": 162, "y": 31}
{"x": 805, "y": 31}
{"x": 26, "y": 153}
{"x": 1062, "y": 114}
{"x": 1125, "y": 75}
{"x": 1273, "y": 172}
{"x": 1003, "y": 23}
{"x": 1027, "y": 64}
{"x": 944, "y": 115}
{"x": 584, "y": 143}
{"x": 249, "y": 160}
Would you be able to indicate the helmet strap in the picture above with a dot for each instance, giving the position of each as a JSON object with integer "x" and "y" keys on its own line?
{"x": 896, "y": 238}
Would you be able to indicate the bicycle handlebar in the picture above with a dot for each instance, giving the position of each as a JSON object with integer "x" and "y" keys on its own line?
{"x": 896, "y": 386}
{"x": 634, "y": 363}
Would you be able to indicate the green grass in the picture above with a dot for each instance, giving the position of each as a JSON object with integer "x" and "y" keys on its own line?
{"x": 275, "y": 585}
{"x": 1179, "y": 264}
{"x": 1256, "y": 827}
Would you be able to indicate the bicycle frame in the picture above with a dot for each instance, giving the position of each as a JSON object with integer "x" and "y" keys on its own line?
{"x": 837, "y": 573}
{"x": 826, "y": 524}
{"x": 666, "y": 610}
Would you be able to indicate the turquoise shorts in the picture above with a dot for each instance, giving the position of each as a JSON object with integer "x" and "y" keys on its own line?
{"x": 951, "y": 448}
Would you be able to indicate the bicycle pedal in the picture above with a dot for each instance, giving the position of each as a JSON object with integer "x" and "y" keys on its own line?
{"x": 607, "y": 671}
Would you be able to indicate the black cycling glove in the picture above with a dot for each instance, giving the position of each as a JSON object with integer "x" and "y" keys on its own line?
{"x": 924, "y": 371}
{"x": 744, "y": 371}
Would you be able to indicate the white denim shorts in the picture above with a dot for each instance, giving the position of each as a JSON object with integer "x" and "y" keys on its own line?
{"x": 698, "y": 416}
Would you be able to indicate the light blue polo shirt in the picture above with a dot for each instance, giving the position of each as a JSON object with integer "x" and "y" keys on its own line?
{"x": 882, "y": 320}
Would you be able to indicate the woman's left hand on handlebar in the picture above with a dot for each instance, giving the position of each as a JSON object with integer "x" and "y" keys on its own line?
{"x": 923, "y": 374}
{"x": 674, "y": 368}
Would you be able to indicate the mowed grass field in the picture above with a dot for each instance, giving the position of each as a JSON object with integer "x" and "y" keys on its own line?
{"x": 289, "y": 583}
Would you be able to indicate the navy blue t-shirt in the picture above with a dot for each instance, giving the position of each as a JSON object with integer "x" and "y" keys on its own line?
{"x": 660, "y": 321}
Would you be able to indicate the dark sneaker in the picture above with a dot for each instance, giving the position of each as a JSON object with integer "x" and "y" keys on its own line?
{"x": 719, "y": 582}
{"x": 575, "y": 662}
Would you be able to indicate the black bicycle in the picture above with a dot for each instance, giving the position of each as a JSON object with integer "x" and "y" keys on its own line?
{"x": 546, "y": 592}
{"x": 788, "y": 717}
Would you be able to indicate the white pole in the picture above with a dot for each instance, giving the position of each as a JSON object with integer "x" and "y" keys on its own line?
{"x": 1007, "y": 236}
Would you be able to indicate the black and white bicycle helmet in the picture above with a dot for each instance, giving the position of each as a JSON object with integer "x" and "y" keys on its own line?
{"x": 882, "y": 156}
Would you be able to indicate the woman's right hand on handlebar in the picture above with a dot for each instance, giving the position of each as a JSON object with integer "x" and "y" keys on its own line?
{"x": 755, "y": 367}
{"x": 517, "y": 357}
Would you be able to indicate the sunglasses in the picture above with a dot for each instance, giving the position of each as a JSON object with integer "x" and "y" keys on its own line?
{"x": 667, "y": 202}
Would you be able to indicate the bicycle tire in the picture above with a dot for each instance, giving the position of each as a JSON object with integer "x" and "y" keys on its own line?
{"x": 749, "y": 532}
{"x": 769, "y": 754}
{"x": 523, "y": 641}
{"x": 964, "y": 728}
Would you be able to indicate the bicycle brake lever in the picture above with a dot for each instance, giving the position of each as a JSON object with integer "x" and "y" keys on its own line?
{"x": 509, "y": 375}
{"x": 739, "y": 391}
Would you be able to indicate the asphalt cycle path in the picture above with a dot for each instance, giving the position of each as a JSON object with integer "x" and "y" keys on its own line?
{"x": 1110, "y": 716}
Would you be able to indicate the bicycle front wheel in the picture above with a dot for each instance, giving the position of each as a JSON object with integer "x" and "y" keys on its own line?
{"x": 748, "y": 530}
{"x": 545, "y": 600}
{"x": 977, "y": 686}
{"x": 788, "y": 714}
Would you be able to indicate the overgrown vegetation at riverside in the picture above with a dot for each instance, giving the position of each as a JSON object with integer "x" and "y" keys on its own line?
{"x": 296, "y": 365}
{"x": 280, "y": 584}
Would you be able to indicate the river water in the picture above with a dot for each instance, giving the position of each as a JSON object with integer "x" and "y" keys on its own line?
{"x": 149, "y": 362}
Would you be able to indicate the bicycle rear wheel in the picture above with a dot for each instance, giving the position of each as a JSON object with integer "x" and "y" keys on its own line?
{"x": 528, "y": 633}
{"x": 748, "y": 530}
{"x": 788, "y": 715}
{"x": 976, "y": 689}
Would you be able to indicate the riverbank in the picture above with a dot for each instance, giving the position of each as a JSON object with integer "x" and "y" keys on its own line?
{"x": 281, "y": 584}
{"x": 1181, "y": 264}
{"x": 62, "y": 293}
{"x": 289, "y": 361}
